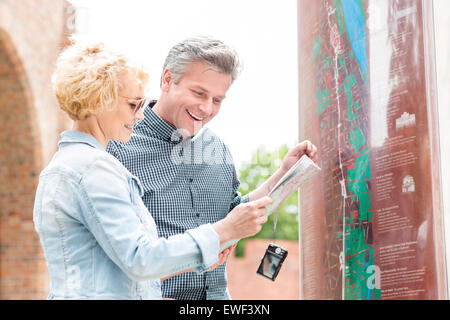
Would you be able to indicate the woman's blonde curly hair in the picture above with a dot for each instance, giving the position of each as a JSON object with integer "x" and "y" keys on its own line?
{"x": 87, "y": 79}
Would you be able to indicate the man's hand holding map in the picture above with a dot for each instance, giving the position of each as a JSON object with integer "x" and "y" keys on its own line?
{"x": 300, "y": 172}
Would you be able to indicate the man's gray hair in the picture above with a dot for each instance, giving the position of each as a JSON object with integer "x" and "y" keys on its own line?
{"x": 219, "y": 56}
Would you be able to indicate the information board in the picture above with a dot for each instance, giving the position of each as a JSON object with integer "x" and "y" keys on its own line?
{"x": 371, "y": 221}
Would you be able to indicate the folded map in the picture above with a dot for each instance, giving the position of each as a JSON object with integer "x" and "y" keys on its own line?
{"x": 299, "y": 173}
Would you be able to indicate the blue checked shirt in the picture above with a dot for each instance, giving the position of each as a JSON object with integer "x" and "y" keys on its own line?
{"x": 186, "y": 184}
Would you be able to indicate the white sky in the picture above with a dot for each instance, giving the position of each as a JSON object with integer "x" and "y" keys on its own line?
{"x": 261, "y": 107}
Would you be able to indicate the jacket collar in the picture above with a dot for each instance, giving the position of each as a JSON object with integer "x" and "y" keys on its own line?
{"x": 73, "y": 136}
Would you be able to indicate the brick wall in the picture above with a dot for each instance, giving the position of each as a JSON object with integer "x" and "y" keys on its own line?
{"x": 32, "y": 34}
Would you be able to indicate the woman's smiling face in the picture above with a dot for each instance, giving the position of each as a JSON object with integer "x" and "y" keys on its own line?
{"x": 118, "y": 123}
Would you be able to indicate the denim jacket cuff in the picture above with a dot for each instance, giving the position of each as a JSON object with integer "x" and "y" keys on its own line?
{"x": 208, "y": 241}
{"x": 244, "y": 199}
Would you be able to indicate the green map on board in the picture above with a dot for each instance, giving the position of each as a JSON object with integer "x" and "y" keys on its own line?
{"x": 340, "y": 56}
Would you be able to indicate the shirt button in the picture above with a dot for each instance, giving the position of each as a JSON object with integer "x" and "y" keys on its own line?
{"x": 190, "y": 179}
{"x": 198, "y": 215}
{"x": 207, "y": 287}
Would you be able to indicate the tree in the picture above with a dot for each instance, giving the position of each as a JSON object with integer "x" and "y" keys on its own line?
{"x": 263, "y": 164}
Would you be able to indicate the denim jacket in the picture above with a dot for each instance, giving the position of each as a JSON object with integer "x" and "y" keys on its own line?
{"x": 99, "y": 240}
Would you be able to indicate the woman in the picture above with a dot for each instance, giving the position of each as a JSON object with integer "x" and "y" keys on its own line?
{"x": 99, "y": 240}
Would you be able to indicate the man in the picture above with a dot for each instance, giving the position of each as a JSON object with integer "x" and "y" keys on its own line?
{"x": 187, "y": 172}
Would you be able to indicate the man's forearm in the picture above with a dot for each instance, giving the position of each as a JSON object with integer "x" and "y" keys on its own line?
{"x": 264, "y": 189}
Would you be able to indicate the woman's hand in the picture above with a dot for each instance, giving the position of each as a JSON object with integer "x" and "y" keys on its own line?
{"x": 243, "y": 221}
{"x": 223, "y": 256}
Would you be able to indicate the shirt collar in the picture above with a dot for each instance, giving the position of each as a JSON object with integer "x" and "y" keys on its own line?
{"x": 160, "y": 127}
{"x": 73, "y": 136}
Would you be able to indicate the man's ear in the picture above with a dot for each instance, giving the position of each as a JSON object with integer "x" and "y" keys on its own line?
{"x": 166, "y": 80}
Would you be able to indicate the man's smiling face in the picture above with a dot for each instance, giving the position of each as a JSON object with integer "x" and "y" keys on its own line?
{"x": 195, "y": 99}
